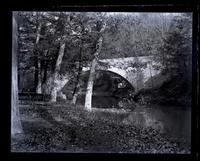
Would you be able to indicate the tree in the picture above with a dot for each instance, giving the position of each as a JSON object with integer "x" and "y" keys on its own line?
{"x": 88, "y": 95}
{"x": 177, "y": 45}
{"x": 39, "y": 53}
{"x": 57, "y": 69}
{"x": 27, "y": 37}
{"x": 38, "y": 78}
{"x": 73, "y": 29}
{"x": 77, "y": 83}
{"x": 31, "y": 31}
{"x": 16, "y": 126}
{"x": 56, "y": 45}
{"x": 85, "y": 41}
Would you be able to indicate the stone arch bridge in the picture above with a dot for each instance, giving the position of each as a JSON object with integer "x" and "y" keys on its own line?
{"x": 138, "y": 71}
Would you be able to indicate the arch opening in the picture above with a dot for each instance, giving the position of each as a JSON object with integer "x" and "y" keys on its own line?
{"x": 109, "y": 88}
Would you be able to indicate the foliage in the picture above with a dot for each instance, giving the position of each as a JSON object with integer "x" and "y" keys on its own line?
{"x": 165, "y": 37}
{"x": 177, "y": 49}
{"x": 78, "y": 30}
{"x": 131, "y": 35}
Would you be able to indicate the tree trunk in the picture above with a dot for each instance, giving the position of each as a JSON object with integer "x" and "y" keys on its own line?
{"x": 77, "y": 85}
{"x": 38, "y": 82}
{"x": 62, "y": 82}
{"x": 16, "y": 126}
{"x": 88, "y": 95}
{"x": 44, "y": 78}
{"x": 43, "y": 74}
{"x": 150, "y": 65}
{"x": 75, "y": 96}
{"x": 76, "y": 91}
{"x": 53, "y": 95}
{"x": 36, "y": 74}
{"x": 57, "y": 69}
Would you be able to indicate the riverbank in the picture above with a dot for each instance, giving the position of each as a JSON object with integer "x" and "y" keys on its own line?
{"x": 61, "y": 128}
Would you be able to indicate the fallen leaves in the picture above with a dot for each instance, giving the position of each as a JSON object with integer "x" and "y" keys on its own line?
{"x": 95, "y": 132}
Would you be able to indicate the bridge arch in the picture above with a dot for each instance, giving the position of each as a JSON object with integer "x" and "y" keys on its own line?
{"x": 116, "y": 71}
{"x": 68, "y": 88}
